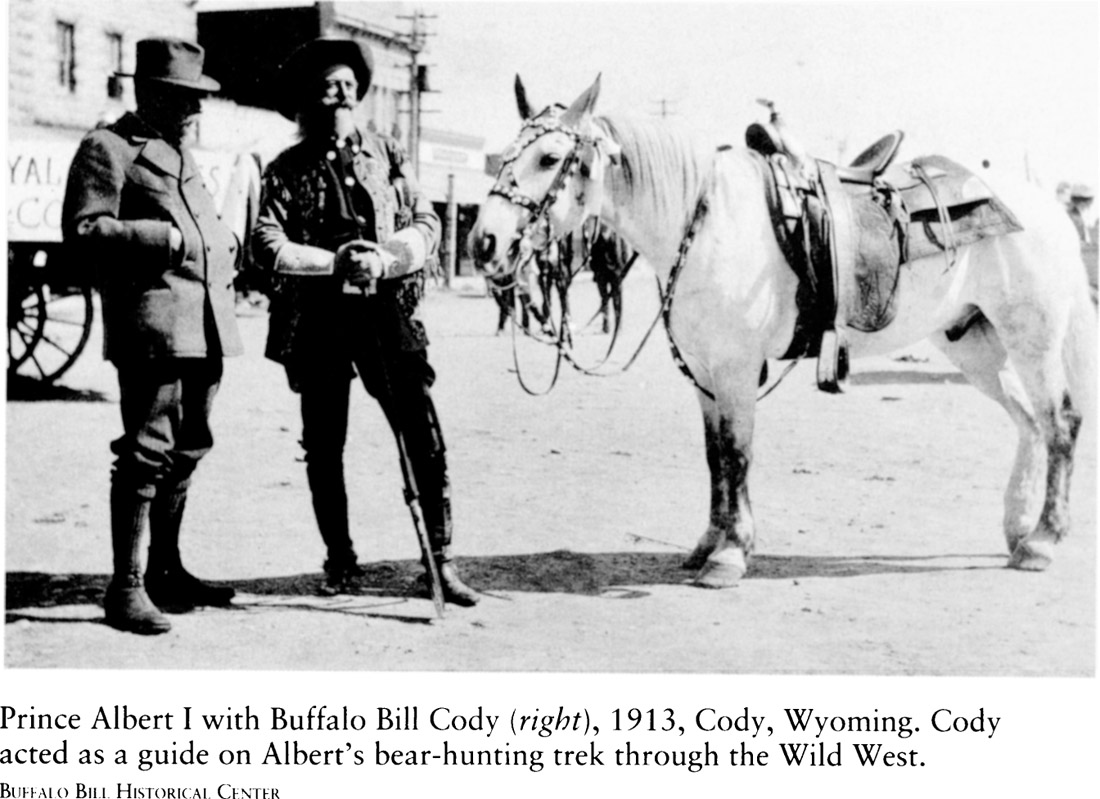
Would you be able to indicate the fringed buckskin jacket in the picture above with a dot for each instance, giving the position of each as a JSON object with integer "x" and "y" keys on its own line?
{"x": 301, "y": 224}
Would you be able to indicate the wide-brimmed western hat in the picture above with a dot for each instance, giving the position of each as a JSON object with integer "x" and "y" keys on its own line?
{"x": 174, "y": 62}
{"x": 1081, "y": 191}
{"x": 303, "y": 66}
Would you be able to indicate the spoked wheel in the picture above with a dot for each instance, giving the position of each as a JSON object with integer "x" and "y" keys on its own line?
{"x": 47, "y": 331}
{"x": 24, "y": 325}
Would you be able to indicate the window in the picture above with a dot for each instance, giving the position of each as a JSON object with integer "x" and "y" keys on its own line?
{"x": 66, "y": 55}
{"x": 114, "y": 64}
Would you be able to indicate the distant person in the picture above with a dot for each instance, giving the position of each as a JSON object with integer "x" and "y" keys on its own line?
{"x": 1082, "y": 213}
{"x": 345, "y": 234}
{"x": 135, "y": 205}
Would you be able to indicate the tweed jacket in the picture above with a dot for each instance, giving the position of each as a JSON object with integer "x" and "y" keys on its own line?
{"x": 126, "y": 189}
{"x": 293, "y": 241}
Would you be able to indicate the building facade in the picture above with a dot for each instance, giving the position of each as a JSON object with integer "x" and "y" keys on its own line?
{"x": 64, "y": 54}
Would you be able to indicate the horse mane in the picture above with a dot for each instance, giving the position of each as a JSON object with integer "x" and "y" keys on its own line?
{"x": 662, "y": 168}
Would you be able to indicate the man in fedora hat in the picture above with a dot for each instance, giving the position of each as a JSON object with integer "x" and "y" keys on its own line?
{"x": 136, "y": 207}
{"x": 345, "y": 233}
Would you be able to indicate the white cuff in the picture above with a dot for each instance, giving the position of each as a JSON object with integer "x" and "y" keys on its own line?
{"x": 410, "y": 250}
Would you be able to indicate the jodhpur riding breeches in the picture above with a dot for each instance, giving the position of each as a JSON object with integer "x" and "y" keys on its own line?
{"x": 165, "y": 407}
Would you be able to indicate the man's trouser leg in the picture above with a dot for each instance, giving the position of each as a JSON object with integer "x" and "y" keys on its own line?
{"x": 165, "y": 415}
{"x": 411, "y": 413}
{"x": 178, "y": 428}
{"x": 324, "y": 397}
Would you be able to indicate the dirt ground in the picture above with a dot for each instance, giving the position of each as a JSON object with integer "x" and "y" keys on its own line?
{"x": 880, "y": 550}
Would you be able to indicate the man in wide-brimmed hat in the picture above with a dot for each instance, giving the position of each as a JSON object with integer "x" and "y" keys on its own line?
{"x": 345, "y": 233}
{"x": 136, "y": 208}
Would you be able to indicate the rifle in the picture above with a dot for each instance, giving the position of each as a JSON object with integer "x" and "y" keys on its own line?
{"x": 412, "y": 499}
{"x": 412, "y": 493}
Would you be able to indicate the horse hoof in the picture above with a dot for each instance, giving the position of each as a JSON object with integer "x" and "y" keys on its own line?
{"x": 1033, "y": 556}
{"x": 723, "y": 571}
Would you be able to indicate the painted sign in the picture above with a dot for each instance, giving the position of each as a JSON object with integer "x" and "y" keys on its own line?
{"x": 36, "y": 188}
{"x": 37, "y": 172}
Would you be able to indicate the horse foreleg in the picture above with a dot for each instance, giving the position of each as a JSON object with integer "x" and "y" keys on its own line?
{"x": 504, "y": 307}
{"x": 722, "y": 554}
{"x": 616, "y": 303}
{"x": 562, "y": 284}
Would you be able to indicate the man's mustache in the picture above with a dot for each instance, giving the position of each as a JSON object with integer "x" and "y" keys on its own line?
{"x": 337, "y": 102}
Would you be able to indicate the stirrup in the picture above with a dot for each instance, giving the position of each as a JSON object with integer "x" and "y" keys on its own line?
{"x": 832, "y": 363}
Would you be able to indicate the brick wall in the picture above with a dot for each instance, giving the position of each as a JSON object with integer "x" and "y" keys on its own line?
{"x": 36, "y": 94}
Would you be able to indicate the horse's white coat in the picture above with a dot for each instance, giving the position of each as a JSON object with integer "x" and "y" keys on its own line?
{"x": 1032, "y": 348}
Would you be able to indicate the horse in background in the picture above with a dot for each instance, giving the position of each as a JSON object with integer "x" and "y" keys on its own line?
{"x": 1012, "y": 312}
{"x": 505, "y": 291}
{"x": 595, "y": 247}
{"x": 547, "y": 273}
{"x": 610, "y": 259}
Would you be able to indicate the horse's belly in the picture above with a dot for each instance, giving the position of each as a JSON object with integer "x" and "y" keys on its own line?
{"x": 931, "y": 298}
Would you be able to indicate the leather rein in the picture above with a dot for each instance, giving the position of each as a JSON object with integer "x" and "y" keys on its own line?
{"x": 507, "y": 188}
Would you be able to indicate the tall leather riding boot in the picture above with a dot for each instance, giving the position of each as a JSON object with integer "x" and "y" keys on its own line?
{"x": 330, "y": 507}
{"x": 168, "y": 583}
{"x": 437, "y": 517}
{"x": 126, "y": 605}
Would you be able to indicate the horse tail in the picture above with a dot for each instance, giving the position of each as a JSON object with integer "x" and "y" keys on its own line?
{"x": 1079, "y": 355}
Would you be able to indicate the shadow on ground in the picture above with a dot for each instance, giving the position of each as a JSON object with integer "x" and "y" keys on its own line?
{"x": 889, "y": 377}
{"x": 27, "y": 389}
{"x": 549, "y": 572}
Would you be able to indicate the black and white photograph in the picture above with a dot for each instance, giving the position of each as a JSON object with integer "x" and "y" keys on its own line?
{"x": 388, "y": 367}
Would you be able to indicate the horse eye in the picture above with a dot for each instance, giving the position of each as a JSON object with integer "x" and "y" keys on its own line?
{"x": 549, "y": 160}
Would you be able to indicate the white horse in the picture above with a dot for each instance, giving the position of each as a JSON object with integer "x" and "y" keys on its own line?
{"x": 1020, "y": 302}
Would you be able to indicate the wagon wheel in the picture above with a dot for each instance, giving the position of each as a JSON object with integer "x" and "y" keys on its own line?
{"x": 24, "y": 324}
{"x": 51, "y": 333}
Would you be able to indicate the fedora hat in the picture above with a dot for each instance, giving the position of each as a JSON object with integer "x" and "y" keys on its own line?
{"x": 305, "y": 63}
{"x": 174, "y": 62}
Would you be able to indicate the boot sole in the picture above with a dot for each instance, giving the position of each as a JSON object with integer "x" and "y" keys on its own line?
{"x": 139, "y": 628}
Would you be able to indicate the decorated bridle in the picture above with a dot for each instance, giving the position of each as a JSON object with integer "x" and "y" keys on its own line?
{"x": 548, "y": 121}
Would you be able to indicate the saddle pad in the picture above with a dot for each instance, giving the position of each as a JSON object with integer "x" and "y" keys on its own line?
{"x": 974, "y": 211}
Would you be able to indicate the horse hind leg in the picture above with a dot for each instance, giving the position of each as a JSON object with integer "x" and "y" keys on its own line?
{"x": 1061, "y": 422}
{"x": 1033, "y": 392}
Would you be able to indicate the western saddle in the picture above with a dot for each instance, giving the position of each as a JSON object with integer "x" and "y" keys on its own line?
{"x": 845, "y": 230}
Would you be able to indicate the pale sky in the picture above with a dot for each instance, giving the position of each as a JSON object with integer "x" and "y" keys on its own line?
{"x": 1016, "y": 83}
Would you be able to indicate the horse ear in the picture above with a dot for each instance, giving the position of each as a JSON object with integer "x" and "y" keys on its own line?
{"x": 525, "y": 111}
{"x": 583, "y": 104}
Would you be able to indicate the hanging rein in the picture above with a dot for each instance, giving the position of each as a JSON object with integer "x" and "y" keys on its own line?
{"x": 507, "y": 187}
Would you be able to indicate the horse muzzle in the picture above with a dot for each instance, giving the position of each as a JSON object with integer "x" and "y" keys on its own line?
{"x": 483, "y": 247}
{"x": 492, "y": 256}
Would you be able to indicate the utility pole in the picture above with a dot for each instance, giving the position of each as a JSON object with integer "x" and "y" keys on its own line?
{"x": 664, "y": 112}
{"x": 417, "y": 81}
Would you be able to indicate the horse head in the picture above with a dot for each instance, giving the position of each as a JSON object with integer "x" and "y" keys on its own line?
{"x": 550, "y": 181}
